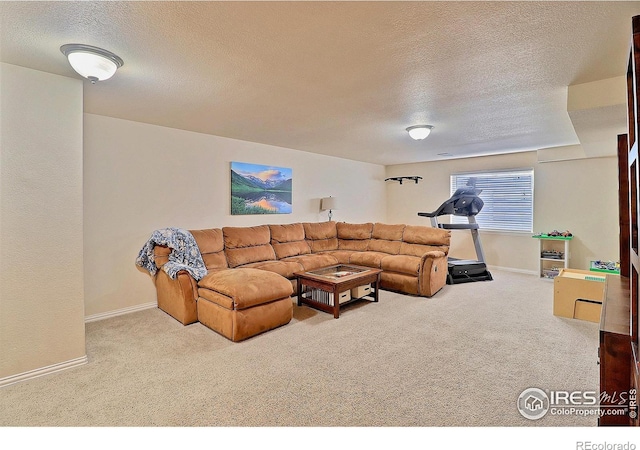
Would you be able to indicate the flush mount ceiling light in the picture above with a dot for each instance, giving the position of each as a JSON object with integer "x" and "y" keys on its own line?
{"x": 93, "y": 63}
{"x": 419, "y": 132}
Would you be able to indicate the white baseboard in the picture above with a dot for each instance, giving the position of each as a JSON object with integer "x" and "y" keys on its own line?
{"x": 511, "y": 269}
{"x": 120, "y": 312}
{"x": 74, "y": 362}
{"x": 43, "y": 371}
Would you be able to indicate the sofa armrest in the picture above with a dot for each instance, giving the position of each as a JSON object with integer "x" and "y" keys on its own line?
{"x": 177, "y": 297}
{"x": 433, "y": 273}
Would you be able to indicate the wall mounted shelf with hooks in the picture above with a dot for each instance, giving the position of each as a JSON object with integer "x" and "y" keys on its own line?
{"x": 399, "y": 179}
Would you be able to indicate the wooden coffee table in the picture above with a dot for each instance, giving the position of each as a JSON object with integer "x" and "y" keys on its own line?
{"x": 335, "y": 280}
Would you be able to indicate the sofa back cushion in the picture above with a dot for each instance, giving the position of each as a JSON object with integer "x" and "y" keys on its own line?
{"x": 418, "y": 234}
{"x": 386, "y": 238}
{"x": 211, "y": 245}
{"x": 288, "y": 240}
{"x": 244, "y": 245}
{"x": 354, "y": 236}
{"x": 417, "y": 240}
{"x": 321, "y": 236}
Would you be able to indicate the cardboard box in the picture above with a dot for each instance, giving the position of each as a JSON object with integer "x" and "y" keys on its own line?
{"x": 578, "y": 294}
{"x": 361, "y": 291}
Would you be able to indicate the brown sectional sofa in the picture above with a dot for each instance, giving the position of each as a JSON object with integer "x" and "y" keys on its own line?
{"x": 251, "y": 270}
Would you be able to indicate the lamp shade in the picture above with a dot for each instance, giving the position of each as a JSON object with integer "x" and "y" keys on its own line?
{"x": 93, "y": 63}
{"x": 419, "y": 132}
{"x": 328, "y": 203}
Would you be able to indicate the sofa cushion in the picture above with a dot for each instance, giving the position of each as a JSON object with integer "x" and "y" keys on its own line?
{"x": 384, "y": 246}
{"x": 284, "y": 268}
{"x": 238, "y": 325}
{"x": 387, "y": 232}
{"x": 358, "y": 245}
{"x": 314, "y": 261}
{"x": 241, "y": 256}
{"x": 417, "y": 234}
{"x": 291, "y": 249}
{"x": 409, "y": 265}
{"x": 288, "y": 240}
{"x": 368, "y": 259}
{"x": 321, "y": 236}
{"x": 320, "y": 230}
{"x": 244, "y": 245}
{"x": 386, "y": 238}
{"x": 343, "y": 256}
{"x": 354, "y": 236}
{"x": 354, "y": 230}
{"x": 286, "y": 233}
{"x": 419, "y": 249}
{"x": 239, "y": 237}
{"x": 211, "y": 245}
{"x": 418, "y": 240}
{"x": 247, "y": 287}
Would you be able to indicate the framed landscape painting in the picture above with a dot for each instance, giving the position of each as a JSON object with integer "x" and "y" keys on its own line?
{"x": 257, "y": 189}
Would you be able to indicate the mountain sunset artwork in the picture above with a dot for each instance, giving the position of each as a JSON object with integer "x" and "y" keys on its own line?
{"x": 259, "y": 189}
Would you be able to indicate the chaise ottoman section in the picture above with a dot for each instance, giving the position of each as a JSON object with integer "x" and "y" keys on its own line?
{"x": 244, "y": 302}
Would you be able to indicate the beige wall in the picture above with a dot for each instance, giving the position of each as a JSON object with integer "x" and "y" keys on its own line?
{"x": 141, "y": 177}
{"x": 578, "y": 195}
{"x": 41, "y": 271}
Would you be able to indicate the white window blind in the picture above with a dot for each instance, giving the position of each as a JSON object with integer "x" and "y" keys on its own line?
{"x": 507, "y": 196}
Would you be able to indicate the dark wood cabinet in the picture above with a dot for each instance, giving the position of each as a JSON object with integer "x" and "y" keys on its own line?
{"x": 615, "y": 352}
{"x": 618, "y": 350}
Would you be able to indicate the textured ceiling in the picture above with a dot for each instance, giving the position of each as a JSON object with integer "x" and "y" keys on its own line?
{"x": 339, "y": 78}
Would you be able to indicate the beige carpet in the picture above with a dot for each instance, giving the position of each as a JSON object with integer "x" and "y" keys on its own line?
{"x": 461, "y": 358}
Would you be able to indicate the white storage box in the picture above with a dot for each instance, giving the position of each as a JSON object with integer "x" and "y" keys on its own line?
{"x": 361, "y": 291}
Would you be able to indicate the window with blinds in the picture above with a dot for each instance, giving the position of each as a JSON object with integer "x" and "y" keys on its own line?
{"x": 507, "y": 196}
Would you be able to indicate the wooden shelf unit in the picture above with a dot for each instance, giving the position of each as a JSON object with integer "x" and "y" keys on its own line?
{"x": 557, "y": 244}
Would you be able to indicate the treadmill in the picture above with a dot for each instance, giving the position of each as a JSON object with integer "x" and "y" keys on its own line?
{"x": 464, "y": 202}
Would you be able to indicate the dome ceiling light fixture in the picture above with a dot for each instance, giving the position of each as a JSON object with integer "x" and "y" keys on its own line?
{"x": 419, "y": 132}
{"x": 93, "y": 63}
